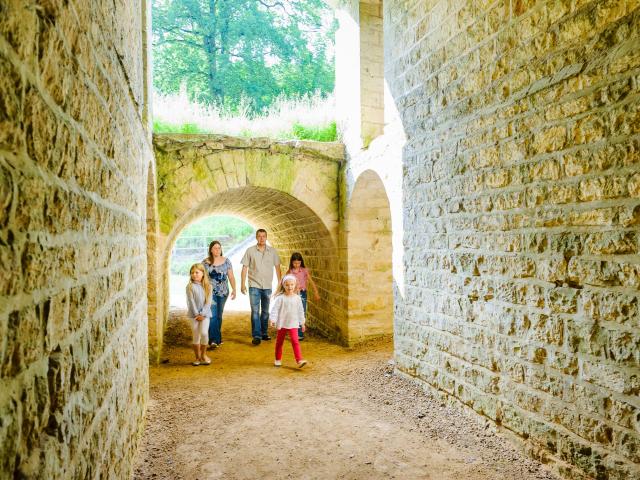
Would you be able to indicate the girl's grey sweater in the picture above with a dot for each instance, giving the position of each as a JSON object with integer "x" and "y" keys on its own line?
{"x": 196, "y": 301}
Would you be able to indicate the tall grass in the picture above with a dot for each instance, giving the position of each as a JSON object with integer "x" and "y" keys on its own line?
{"x": 310, "y": 117}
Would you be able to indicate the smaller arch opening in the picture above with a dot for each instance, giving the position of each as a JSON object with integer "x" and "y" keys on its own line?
{"x": 292, "y": 227}
{"x": 191, "y": 246}
{"x": 370, "y": 277}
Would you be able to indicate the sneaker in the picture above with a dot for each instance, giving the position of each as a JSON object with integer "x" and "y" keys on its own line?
{"x": 213, "y": 346}
{"x": 266, "y": 337}
{"x": 207, "y": 361}
{"x": 277, "y": 363}
{"x": 300, "y": 338}
{"x": 302, "y": 363}
{"x": 256, "y": 341}
{"x": 196, "y": 363}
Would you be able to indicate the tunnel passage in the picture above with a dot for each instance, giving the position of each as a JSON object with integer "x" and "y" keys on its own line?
{"x": 292, "y": 227}
{"x": 288, "y": 188}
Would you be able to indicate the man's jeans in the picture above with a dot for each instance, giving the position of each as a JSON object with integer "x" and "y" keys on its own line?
{"x": 259, "y": 298}
{"x": 217, "y": 307}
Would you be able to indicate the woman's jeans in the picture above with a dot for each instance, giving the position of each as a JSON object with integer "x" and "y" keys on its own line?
{"x": 303, "y": 296}
{"x": 215, "y": 326}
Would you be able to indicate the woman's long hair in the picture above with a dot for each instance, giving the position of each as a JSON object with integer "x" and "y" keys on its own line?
{"x": 209, "y": 254}
{"x": 208, "y": 290}
{"x": 296, "y": 256}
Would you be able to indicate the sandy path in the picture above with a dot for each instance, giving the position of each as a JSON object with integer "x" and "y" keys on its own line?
{"x": 343, "y": 416}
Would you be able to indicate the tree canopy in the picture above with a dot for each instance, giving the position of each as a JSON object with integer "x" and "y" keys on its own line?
{"x": 230, "y": 51}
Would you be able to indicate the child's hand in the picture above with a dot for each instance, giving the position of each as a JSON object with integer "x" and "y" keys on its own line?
{"x": 316, "y": 297}
{"x": 304, "y": 329}
{"x": 199, "y": 318}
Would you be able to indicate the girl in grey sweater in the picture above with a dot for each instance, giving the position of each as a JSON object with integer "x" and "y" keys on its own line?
{"x": 199, "y": 306}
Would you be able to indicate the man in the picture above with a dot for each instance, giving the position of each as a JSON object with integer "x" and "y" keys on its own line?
{"x": 259, "y": 261}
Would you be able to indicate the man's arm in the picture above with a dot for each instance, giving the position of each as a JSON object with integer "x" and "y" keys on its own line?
{"x": 243, "y": 280}
{"x": 277, "y": 265}
{"x": 279, "y": 273}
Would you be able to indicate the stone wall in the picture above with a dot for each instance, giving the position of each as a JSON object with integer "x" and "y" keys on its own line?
{"x": 369, "y": 256}
{"x": 371, "y": 70}
{"x": 74, "y": 156}
{"x": 288, "y": 188}
{"x": 522, "y": 206}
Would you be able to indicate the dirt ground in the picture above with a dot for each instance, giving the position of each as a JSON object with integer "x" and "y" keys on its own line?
{"x": 345, "y": 415}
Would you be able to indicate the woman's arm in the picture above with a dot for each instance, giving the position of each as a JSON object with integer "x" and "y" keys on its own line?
{"x": 232, "y": 280}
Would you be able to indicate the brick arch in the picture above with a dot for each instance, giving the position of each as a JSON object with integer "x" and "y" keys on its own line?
{"x": 288, "y": 188}
{"x": 369, "y": 257}
{"x": 193, "y": 168}
{"x": 292, "y": 226}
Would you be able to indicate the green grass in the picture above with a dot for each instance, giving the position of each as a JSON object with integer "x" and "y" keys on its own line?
{"x": 164, "y": 127}
{"x": 327, "y": 133}
{"x": 311, "y": 117}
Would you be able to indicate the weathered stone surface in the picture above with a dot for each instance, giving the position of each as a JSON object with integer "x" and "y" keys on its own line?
{"x": 288, "y": 188}
{"x": 73, "y": 187}
{"x": 494, "y": 189}
{"x": 520, "y": 191}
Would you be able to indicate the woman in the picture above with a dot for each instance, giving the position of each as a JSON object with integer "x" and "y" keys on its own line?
{"x": 220, "y": 270}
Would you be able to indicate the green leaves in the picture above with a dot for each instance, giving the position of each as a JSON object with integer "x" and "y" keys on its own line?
{"x": 223, "y": 50}
{"x": 326, "y": 133}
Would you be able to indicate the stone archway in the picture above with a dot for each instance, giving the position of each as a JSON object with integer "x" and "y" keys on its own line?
{"x": 288, "y": 188}
{"x": 369, "y": 253}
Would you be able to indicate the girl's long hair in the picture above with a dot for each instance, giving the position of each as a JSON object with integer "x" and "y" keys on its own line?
{"x": 280, "y": 289}
{"x": 296, "y": 256}
{"x": 208, "y": 290}
{"x": 209, "y": 254}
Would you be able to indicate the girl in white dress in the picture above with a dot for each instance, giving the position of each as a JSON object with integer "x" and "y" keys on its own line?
{"x": 287, "y": 314}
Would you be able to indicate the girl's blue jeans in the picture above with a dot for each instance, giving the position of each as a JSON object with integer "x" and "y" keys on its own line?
{"x": 303, "y": 296}
{"x": 215, "y": 325}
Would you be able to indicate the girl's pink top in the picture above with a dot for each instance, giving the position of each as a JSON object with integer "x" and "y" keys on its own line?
{"x": 301, "y": 277}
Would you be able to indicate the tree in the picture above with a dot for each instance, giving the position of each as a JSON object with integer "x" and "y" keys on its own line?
{"x": 224, "y": 50}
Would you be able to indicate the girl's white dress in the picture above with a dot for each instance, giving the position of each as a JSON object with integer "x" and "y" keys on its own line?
{"x": 287, "y": 311}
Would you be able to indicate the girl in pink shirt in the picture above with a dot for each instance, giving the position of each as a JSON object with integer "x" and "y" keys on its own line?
{"x": 303, "y": 278}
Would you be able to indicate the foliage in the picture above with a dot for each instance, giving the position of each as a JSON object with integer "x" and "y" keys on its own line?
{"x": 227, "y": 51}
{"x": 320, "y": 134}
{"x": 183, "y": 266}
{"x": 191, "y": 246}
{"x": 308, "y": 117}
{"x": 214, "y": 228}
{"x": 160, "y": 126}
